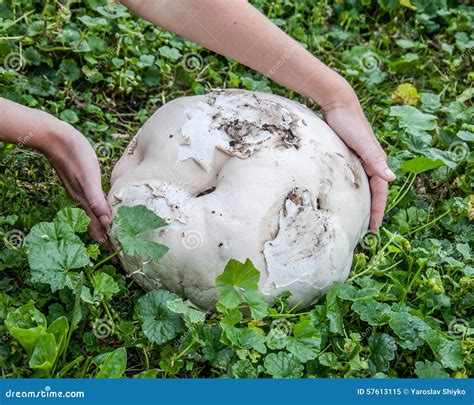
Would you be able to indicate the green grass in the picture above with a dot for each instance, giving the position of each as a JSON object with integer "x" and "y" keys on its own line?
{"x": 407, "y": 308}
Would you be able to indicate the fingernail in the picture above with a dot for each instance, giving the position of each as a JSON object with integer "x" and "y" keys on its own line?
{"x": 105, "y": 221}
{"x": 390, "y": 174}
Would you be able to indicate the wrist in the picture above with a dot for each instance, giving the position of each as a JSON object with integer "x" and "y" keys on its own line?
{"x": 54, "y": 138}
{"x": 334, "y": 93}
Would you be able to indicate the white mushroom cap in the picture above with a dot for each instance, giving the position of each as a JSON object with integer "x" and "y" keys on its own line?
{"x": 240, "y": 175}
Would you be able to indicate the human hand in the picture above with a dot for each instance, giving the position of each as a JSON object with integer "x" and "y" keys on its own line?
{"x": 68, "y": 151}
{"x": 76, "y": 164}
{"x": 345, "y": 116}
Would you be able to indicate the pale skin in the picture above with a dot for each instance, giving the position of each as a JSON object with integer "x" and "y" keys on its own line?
{"x": 232, "y": 28}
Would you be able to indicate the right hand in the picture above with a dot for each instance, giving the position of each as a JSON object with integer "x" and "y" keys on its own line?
{"x": 346, "y": 118}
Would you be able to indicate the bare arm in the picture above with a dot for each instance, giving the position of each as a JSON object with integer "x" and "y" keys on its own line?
{"x": 239, "y": 31}
{"x": 68, "y": 151}
{"x": 21, "y": 125}
{"x": 235, "y": 29}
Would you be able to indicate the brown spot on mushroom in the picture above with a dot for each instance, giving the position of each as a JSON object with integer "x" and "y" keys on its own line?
{"x": 297, "y": 199}
{"x": 133, "y": 145}
{"x": 351, "y": 175}
{"x": 206, "y": 192}
{"x": 116, "y": 200}
{"x": 286, "y": 135}
{"x": 318, "y": 203}
{"x": 211, "y": 99}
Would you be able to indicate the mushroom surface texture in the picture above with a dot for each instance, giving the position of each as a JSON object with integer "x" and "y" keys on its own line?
{"x": 243, "y": 175}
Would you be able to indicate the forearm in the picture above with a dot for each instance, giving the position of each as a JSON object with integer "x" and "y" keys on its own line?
{"x": 26, "y": 126}
{"x": 237, "y": 30}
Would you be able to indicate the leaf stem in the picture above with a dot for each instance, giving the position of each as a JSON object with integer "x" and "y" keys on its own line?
{"x": 181, "y": 354}
{"x": 147, "y": 360}
{"x": 106, "y": 259}
{"x": 415, "y": 278}
{"x": 84, "y": 368}
{"x": 429, "y": 223}
{"x": 12, "y": 246}
{"x": 17, "y": 20}
{"x": 406, "y": 187}
{"x": 289, "y": 315}
{"x": 375, "y": 259}
{"x": 69, "y": 366}
{"x": 89, "y": 271}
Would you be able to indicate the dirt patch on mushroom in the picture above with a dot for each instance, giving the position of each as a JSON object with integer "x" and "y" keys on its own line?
{"x": 133, "y": 145}
{"x": 303, "y": 238}
{"x": 239, "y": 126}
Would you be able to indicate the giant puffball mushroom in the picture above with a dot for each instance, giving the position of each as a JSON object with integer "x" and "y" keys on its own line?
{"x": 239, "y": 175}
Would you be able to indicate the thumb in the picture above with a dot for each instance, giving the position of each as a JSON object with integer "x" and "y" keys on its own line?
{"x": 378, "y": 167}
{"x": 382, "y": 170}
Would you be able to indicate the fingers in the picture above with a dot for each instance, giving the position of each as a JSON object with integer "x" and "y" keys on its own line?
{"x": 356, "y": 132}
{"x": 95, "y": 205}
{"x": 379, "y": 189}
{"x": 354, "y": 129}
{"x": 76, "y": 164}
{"x": 376, "y": 164}
{"x": 98, "y": 205}
{"x": 96, "y": 230}
{"x": 99, "y": 211}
